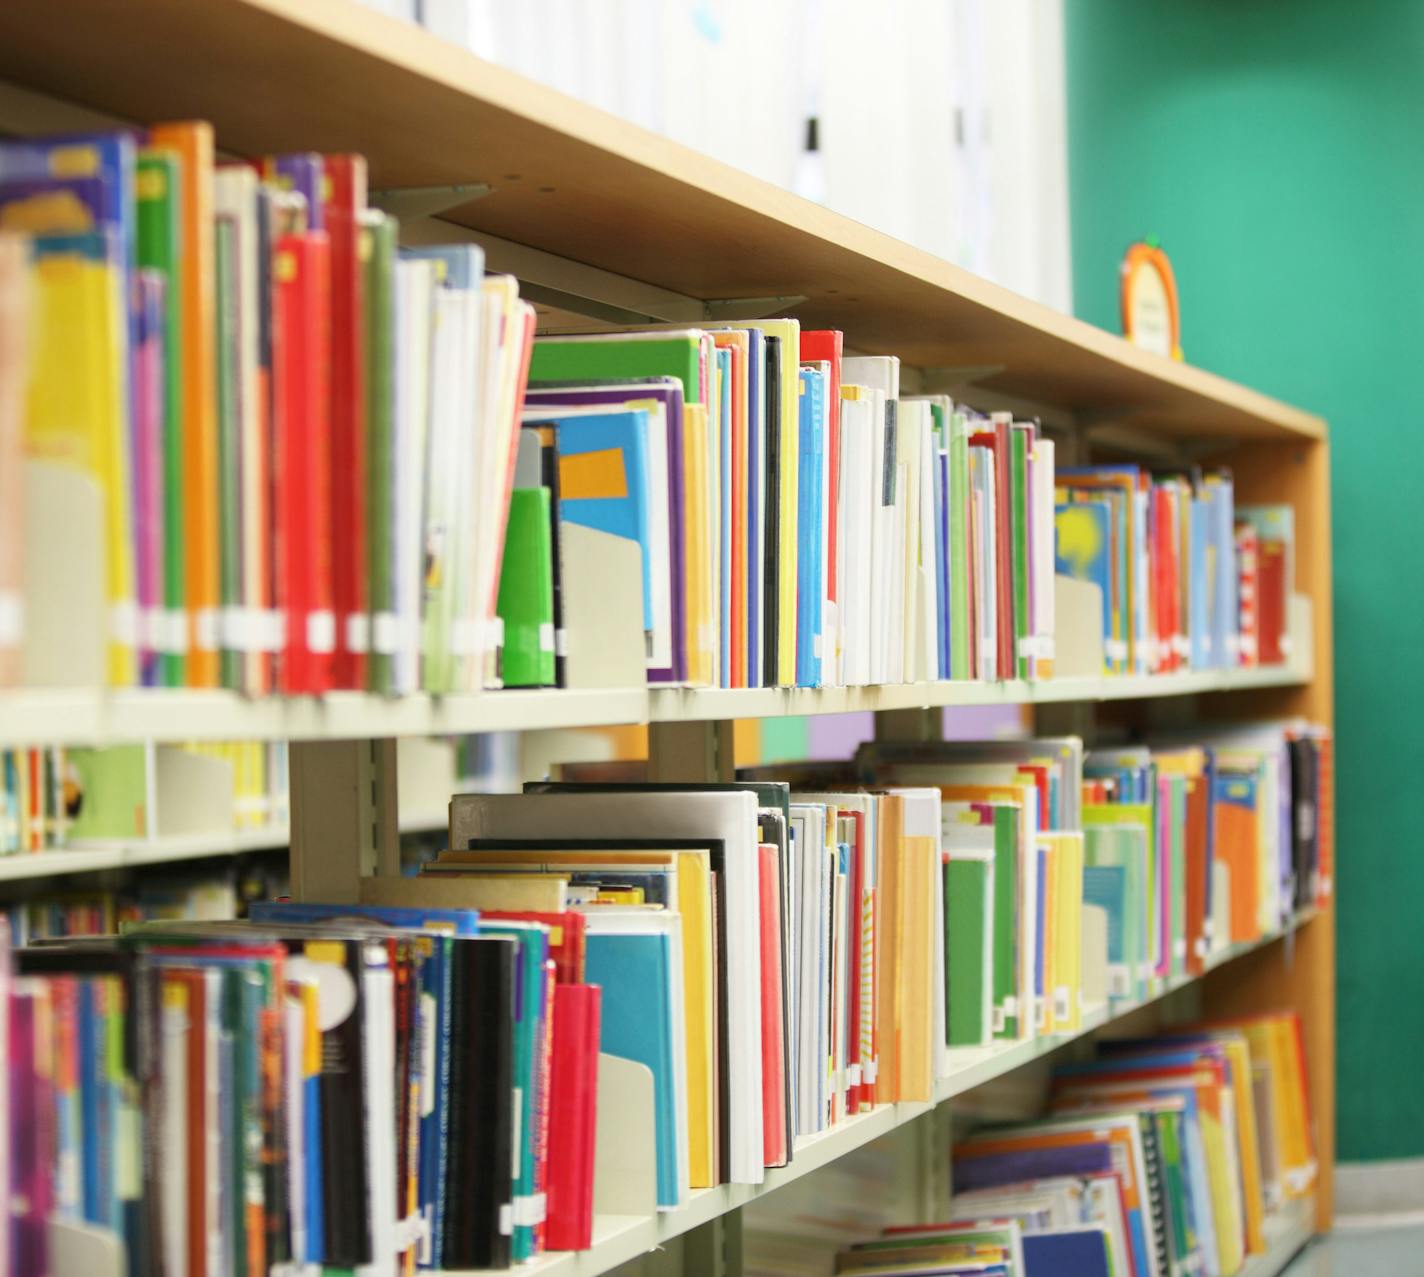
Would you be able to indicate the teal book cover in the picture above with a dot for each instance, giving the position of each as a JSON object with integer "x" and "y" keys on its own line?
{"x": 638, "y": 1025}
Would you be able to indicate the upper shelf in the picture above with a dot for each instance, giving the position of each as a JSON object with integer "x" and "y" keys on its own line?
{"x": 78, "y": 716}
{"x": 329, "y": 75}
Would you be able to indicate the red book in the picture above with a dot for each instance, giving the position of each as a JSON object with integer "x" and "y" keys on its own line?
{"x": 301, "y": 377}
{"x": 827, "y": 345}
{"x": 573, "y": 1116}
{"x": 773, "y": 1042}
{"x": 567, "y": 943}
{"x": 1247, "y": 592}
{"x": 996, "y": 439}
{"x": 1271, "y": 590}
{"x": 345, "y": 201}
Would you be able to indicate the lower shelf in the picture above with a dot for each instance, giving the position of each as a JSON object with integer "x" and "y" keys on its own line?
{"x": 620, "y": 1238}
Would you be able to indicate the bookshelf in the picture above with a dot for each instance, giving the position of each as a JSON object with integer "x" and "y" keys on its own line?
{"x": 599, "y": 218}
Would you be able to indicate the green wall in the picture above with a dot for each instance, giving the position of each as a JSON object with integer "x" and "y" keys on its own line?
{"x": 1277, "y": 149}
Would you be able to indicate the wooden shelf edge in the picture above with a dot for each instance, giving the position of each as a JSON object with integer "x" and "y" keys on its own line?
{"x": 95, "y": 717}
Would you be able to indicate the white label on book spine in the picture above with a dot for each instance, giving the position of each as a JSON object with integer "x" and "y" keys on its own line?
{"x": 1062, "y": 1004}
{"x": 123, "y": 623}
{"x": 274, "y": 630}
{"x": 871, "y": 1070}
{"x": 506, "y": 1220}
{"x": 173, "y": 631}
{"x": 530, "y": 1210}
{"x": 1180, "y": 644}
{"x": 321, "y": 632}
{"x": 852, "y": 1074}
{"x": 205, "y": 629}
{"x": 1179, "y": 949}
{"x": 12, "y": 618}
{"x": 561, "y": 642}
{"x": 1011, "y": 1005}
{"x": 546, "y": 636}
{"x": 385, "y": 633}
{"x": 464, "y": 634}
{"x": 1119, "y": 983}
{"x": 358, "y": 632}
{"x": 1116, "y": 649}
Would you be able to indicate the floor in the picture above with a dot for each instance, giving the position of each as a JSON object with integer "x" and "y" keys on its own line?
{"x": 1385, "y": 1249}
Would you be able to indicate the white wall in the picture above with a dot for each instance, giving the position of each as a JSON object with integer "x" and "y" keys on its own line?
{"x": 941, "y": 121}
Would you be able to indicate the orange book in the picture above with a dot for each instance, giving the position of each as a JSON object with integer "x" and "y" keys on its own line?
{"x": 193, "y": 142}
{"x": 1236, "y": 826}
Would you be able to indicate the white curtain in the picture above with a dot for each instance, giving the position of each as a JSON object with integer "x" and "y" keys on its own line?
{"x": 940, "y": 122}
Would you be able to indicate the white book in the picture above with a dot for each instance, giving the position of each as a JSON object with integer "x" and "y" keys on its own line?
{"x": 730, "y": 815}
{"x": 399, "y": 634}
{"x": 378, "y": 1032}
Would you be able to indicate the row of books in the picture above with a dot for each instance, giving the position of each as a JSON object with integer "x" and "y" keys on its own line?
{"x": 334, "y": 1086}
{"x": 324, "y": 462}
{"x": 175, "y": 893}
{"x": 1187, "y": 579}
{"x": 292, "y": 448}
{"x": 52, "y": 796}
{"x": 778, "y": 958}
{"x": 1161, "y": 1156}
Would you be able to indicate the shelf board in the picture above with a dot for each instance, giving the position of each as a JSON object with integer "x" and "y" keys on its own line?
{"x": 618, "y": 1239}
{"x": 575, "y": 182}
{"x": 93, "y": 717}
{"x": 90, "y": 857}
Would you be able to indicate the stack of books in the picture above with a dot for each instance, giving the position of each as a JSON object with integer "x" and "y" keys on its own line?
{"x": 1163, "y": 1155}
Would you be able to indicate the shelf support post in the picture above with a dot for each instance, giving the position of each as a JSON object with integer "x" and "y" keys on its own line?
{"x": 691, "y": 752}
{"x": 909, "y": 724}
{"x": 343, "y": 816}
{"x": 714, "y": 1249}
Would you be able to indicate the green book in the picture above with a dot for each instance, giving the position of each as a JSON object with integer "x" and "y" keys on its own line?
{"x": 958, "y": 497}
{"x": 968, "y": 947}
{"x": 1019, "y": 439}
{"x": 230, "y": 594}
{"x": 157, "y": 184}
{"x": 992, "y": 829}
{"x": 1111, "y": 838}
{"x": 1184, "y": 1241}
{"x": 526, "y": 591}
{"x": 378, "y": 256}
{"x": 623, "y": 355}
{"x": 112, "y": 791}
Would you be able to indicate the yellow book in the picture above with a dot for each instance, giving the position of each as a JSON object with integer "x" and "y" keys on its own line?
{"x": 890, "y": 825}
{"x": 77, "y": 410}
{"x": 697, "y": 547}
{"x": 1066, "y": 887}
{"x": 789, "y": 331}
{"x": 1238, "y": 1053}
{"x": 914, "y": 1011}
{"x": 620, "y": 896}
{"x": 532, "y": 893}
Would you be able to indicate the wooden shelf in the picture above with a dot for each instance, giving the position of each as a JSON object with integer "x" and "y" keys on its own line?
{"x": 43, "y": 716}
{"x": 90, "y": 857}
{"x": 569, "y": 180}
{"x": 620, "y": 1238}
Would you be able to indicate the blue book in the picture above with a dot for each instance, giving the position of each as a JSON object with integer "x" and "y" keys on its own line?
{"x": 636, "y": 970}
{"x": 461, "y": 922}
{"x": 1018, "y": 1165}
{"x": 723, "y": 410}
{"x": 1106, "y": 887}
{"x": 756, "y": 497}
{"x": 810, "y": 556}
{"x": 458, "y": 265}
{"x": 91, "y": 1127}
{"x": 1069, "y": 1252}
{"x": 1224, "y": 618}
{"x": 1083, "y": 551}
{"x": 603, "y": 480}
{"x": 1198, "y": 587}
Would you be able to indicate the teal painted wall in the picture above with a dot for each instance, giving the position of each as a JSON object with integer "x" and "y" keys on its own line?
{"x": 1277, "y": 148}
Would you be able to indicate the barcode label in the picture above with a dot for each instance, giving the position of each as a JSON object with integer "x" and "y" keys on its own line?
{"x": 321, "y": 632}
{"x": 358, "y": 632}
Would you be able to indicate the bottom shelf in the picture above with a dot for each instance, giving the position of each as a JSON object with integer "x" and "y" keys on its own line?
{"x": 1288, "y": 1231}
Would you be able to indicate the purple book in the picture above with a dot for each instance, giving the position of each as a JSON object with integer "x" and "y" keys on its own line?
{"x": 667, "y": 391}
{"x": 304, "y": 173}
{"x": 31, "y": 1111}
{"x": 1048, "y": 1162}
{"x": 150, "y": 287}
